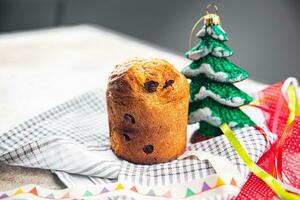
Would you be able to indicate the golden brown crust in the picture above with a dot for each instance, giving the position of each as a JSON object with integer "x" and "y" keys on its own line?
{"x": 147, "y": 102}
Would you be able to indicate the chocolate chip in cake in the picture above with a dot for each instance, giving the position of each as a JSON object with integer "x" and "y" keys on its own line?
{"x": 151, "y": 86}
{"x": 168, "y": 83}
{"x": 129, "y": 118}
{"x": 148, "y": 149}
{"x": 126, "y": 137}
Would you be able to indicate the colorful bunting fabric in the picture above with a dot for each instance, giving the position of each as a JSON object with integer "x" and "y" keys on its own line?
{"x": 189, "y": 192}
{"x": 50, "y": 196}
{"x": 87, "y": 194}
{"x": 19, "y": 191}
{"x": 219, "y": 182}
{"x": 34, "y": 191}
{"x": 104, "y": 190}
{"x": 119, "y": 187}
{"x": 134, "y": 189}
{"x": 186, "y": 190}
{"x": 3, "y": 196}
{"x": 205, "y": 187}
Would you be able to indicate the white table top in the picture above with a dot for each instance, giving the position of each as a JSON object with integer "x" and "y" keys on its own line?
{"x": 40, "y": 69}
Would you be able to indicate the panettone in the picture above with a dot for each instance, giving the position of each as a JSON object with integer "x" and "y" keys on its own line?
{"x": 147, "y": 102}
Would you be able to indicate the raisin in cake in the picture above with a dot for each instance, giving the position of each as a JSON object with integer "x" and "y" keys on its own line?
{"x": 147, "y": 102}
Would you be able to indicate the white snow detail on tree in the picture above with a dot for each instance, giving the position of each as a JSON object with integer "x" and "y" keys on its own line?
{"x": 204, "y": 51}
{"x": 196, "y": 55}
{"x": 220, "y": 37}
{"x": 205, "y": 69}
{"x": 221, "y": 52}
{"x": 233, "y": 124}
{"x": 204, "y": 114}
{"x": 227, "y": 54}
{"x": 208, "y": 30}
{"x": 221, "y": 29}
{"x": 203, "y": 31}
{"x": 238, "y": 100}
{"x": 234, "y": 102}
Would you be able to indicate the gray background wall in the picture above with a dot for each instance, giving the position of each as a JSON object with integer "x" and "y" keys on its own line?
{"x": 264, "y": 34}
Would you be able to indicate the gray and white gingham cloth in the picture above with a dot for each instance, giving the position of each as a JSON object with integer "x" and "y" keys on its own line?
{"x": 73, "y": 138}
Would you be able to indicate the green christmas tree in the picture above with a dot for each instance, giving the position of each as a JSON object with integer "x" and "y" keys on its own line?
{"x": 214, "y": 99}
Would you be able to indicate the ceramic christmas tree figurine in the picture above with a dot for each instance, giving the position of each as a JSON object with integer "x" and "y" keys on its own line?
{"x": 214, "y": 99}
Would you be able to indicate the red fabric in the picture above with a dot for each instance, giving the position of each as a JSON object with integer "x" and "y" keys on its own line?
{"x": 287, "y": 150}
{"x": 255, "y": 188}
{"x": 291, "y": 155}
{"x": 276, "y": 110}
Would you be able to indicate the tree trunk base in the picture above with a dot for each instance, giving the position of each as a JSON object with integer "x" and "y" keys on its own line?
{"x": 197, "y": 137}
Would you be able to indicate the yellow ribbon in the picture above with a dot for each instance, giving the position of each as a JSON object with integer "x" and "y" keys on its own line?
{"x": 294, "y": 111}
{"x": 254, "y": 168}
{"x": 293, "y": 104}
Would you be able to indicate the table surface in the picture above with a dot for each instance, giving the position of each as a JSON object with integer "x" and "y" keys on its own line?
{"x": 40, "y": 69}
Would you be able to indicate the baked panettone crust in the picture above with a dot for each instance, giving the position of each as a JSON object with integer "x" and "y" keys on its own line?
{"x": 147, "y": 102}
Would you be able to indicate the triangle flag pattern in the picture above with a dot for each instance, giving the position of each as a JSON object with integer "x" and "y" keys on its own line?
{"x": 219, "y": 182}
{"x": 167, "y": 194}
{"x": 104, "y": 190}
{"x": 50, "y": 196}
{"x": 119, "y": 187}
{"x": 34, "y": 191}
{"x": 87, "y": 194}
{"x": 3, "y": 196}
{"x": 67, "y": 195}
{"x": 134, "y": 189}
{"x": 19, "y": 191}
{"x": 205, "y": 187}
{"x": 233, "y": 182}
{"x": 189, "y": 192}
{"x": 151, "y": 193}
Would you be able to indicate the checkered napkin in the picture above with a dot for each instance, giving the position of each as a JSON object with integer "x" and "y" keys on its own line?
{"x": 73, "y": 138}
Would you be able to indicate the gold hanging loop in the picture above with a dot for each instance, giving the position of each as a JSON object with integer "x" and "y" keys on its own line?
{"x": 210, "y": 5}
{"x": 209, "y": 19}
{"x": 193, "y": 29}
